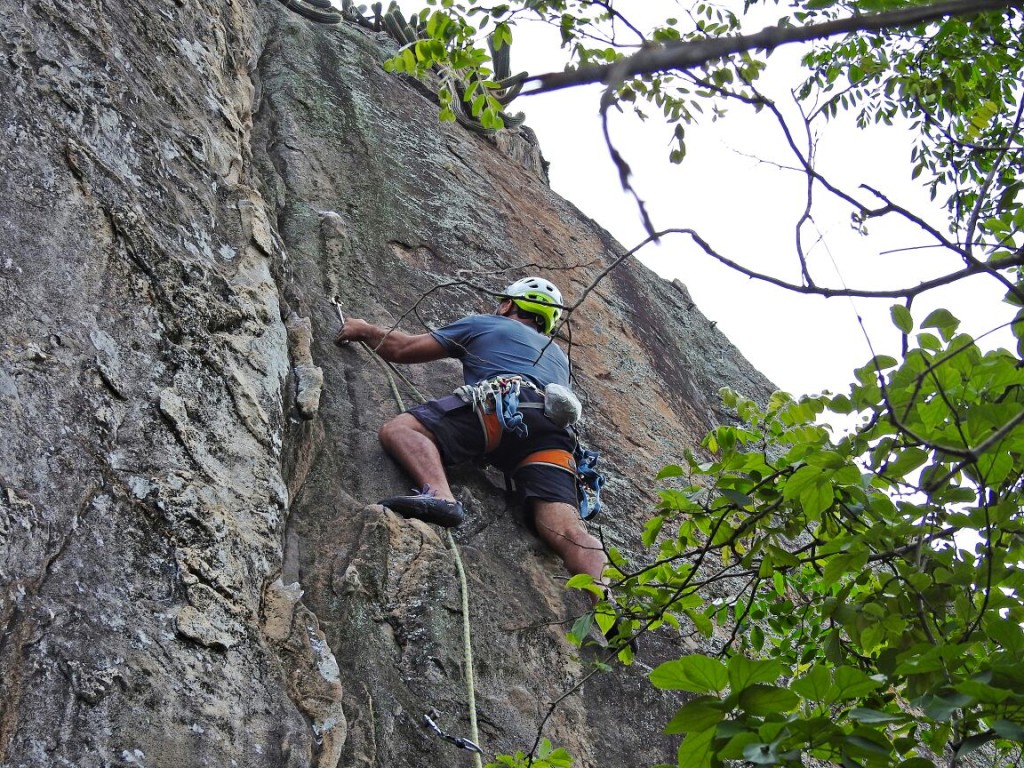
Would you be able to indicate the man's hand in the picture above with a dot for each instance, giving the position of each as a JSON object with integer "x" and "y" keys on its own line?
{"x": 354, "y": 329}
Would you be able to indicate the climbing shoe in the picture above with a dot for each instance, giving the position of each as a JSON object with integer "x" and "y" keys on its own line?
{"x": 427, "y": 507}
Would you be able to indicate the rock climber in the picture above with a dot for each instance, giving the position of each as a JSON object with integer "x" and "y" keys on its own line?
{"x": 506, "y": 353}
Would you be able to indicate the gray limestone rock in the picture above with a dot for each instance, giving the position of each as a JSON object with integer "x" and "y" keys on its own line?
{"x": 186, "y": 187}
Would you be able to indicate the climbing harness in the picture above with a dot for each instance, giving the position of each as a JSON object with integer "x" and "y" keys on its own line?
{"x": 580, "y": 464}
{"x": 496, "y": 402}
{"x": 457, "y": 741}
{"x": 497, "y": 405}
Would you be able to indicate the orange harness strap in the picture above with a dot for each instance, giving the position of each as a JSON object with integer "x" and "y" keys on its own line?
{"x": 551, "y": 457}
{"x": 492, "y": 429}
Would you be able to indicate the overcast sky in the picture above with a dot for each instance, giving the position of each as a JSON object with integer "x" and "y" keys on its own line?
{"x": 736, "y": 188}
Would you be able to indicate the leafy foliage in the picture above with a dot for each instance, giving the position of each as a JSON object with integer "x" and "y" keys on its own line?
{"x": 878, "y": 615}
{"x": 592, "y": 34}
{"x": 547, "y": 757}
{"x": 864, "y": 593}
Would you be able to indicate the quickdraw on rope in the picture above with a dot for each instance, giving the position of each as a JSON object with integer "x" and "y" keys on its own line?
{"x": 508, "y": 412}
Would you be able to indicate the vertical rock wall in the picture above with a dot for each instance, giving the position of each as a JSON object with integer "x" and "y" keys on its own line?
{"x": 189, "y": 571}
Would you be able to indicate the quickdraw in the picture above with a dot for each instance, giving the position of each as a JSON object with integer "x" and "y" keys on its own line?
{"x": 589, "y": 482}
{"x": 458, "y": 741}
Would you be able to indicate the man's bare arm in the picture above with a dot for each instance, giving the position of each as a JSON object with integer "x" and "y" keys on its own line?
{"x": 393, "y": 345}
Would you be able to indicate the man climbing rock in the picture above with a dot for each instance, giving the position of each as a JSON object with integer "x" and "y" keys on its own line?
{"x": 508, "y": 361}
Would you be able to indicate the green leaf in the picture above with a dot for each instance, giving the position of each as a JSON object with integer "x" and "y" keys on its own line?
{"x": 801, "y": 481}
{"x": 853, "y": 683}
{"x": 696, "y": 751}
{"x": 580, "y": 580}
{"x": 816, "y": 685}
{"x": 901, "y": 318}
{"x": 703, "y": 713}
{"x": 868, "y": 744}
{"x": 696, "y": 673}
{"x": 764, "y": 700}
{"x": 408, "y": 61}
{"x": 1008, "y": 730}
{"x": 581, "y": 628}
{"x": 672, "y": 470}
{"x": 744, "y": 672}
{"x": 779, "y": 582}
{"x": 865, "y": 715}
{"x": 760, "y": 754}
{"x": 944, "y": 321}
{"x": 737, "y": 743}
{"x": 651, "y": 530}
{"x": 844, "y": 565}
{"x": 973, "y": 743}
{"x": 700, "y": 622}
{"x": 942, "y": 708}
{"x": 737, "y": 498}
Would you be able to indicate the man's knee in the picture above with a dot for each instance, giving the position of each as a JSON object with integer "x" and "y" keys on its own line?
{"x": 393, "y": 430}
{"x": 387, "y": 431}
{"x": 559, "y": 523}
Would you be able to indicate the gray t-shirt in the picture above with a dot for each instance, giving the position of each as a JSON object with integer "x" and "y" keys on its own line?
{"x": 492, "y": 345}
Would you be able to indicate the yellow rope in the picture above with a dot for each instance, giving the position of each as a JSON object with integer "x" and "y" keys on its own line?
{"x": 467, "y": 645}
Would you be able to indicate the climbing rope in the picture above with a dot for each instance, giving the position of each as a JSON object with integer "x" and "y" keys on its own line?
{"x": 474, "y": 740}
{"x": 467, "y": 651}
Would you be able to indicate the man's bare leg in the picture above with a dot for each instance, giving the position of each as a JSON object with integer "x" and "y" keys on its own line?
{"x": 412, "y": 445}
{"x": 560, "y": 527}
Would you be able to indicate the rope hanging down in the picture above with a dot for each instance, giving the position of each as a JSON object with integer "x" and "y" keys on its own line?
{"x": 471, "y": 743}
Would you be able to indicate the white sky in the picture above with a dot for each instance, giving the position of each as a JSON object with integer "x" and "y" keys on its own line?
{"x": 748, "y": 209}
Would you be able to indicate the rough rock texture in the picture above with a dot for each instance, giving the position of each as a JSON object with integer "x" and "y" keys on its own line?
{"x": 189, "y": 571}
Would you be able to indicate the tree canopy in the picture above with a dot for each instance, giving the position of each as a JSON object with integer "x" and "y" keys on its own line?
{"x": 873, "y": 609}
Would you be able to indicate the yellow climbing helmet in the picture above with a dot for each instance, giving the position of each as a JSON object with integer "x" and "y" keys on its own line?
{"x": 538, "y": 297}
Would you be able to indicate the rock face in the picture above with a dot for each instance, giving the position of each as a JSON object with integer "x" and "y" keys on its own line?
{"x": 190, "y": 573}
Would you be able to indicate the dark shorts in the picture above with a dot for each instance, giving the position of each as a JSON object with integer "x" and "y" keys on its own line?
{"x": 460, "y": 438}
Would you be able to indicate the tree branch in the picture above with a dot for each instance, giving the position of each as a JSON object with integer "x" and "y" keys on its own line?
{"x": 684, "y": 55}
{"x": 897, "y": 293}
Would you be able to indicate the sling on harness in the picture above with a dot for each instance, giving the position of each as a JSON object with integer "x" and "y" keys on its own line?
{"x": 496, "y": 403}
